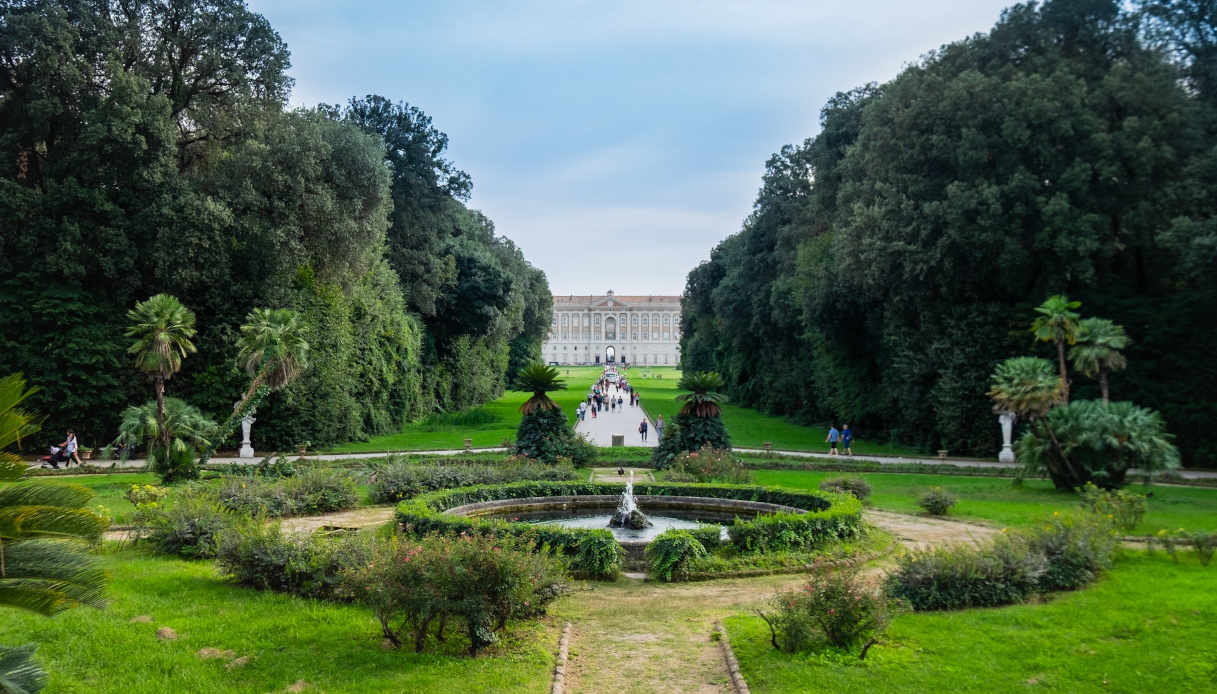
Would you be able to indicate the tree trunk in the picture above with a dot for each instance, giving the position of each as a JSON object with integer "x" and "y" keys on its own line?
{"x": 1060, "y": 359}
{"x": 160, "y": 413}
{"x": 1103, "y": 384}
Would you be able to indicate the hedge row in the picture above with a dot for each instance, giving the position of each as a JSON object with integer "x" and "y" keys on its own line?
{"x": 594, "y": 553}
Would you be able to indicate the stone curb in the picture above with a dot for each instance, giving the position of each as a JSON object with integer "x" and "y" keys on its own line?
{"x": 559, "y": 684}
{"x": 737, "y": 678}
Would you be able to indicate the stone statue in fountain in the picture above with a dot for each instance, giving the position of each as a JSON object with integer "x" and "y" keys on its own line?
{"x": 627, "y": 514}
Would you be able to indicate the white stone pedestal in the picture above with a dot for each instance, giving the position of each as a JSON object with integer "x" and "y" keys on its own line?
{"x": 1006, "y": 419}
{"x": 247, "y": 449}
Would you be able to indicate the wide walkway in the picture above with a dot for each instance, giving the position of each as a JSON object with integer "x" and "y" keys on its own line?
{"x": 624, "y": 420}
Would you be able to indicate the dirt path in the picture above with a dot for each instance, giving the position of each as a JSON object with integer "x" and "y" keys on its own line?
{"x": 920, "y": 532}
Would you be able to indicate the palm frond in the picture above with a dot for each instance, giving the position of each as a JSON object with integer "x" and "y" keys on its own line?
{"x": 19, "y": 673}
{"x": 49, "y": 521}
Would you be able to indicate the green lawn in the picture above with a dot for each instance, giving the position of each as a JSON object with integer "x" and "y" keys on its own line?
{"x": 1146, "y": 627}
{"x": 487, "y": 425}
{"x": 495, "y": 422}
{"x": 999, "y": 502}
{"x": 334, "y": 648}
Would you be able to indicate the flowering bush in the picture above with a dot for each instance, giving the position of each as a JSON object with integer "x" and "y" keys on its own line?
{"x": 838, "y": 610}
{"x": 709, "y": 465}
{"x": 479, "y": 580}
{"x": 146, "y": 496}
{"x": 1125, "y": 509}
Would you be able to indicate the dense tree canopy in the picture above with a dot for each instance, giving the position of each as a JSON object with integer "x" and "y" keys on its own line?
{"x": 146, "y": 147}
{"x": 890, "y": 261}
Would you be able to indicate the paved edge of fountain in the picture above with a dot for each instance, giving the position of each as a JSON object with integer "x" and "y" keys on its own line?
{"x": 559, "y": 682}
{"x": 601, "y": 501}
{"x": 733, "y": 671}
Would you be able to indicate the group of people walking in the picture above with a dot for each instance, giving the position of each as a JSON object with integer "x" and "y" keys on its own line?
{"x": 843, "y": 436}
{"x": 614, "y": 393}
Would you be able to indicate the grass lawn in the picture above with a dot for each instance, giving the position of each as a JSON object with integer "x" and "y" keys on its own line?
{"x": 488, "y": 425}
{"x": 999, "y": 502}
{"x": 1146, "y": 627}
{"x": 334, "y": 648}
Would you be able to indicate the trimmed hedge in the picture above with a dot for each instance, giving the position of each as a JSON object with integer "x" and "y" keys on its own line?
{"x": 595, "y": 554}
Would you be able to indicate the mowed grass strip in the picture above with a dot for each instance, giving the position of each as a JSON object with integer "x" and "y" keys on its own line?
{"x": 1146, "y": 627}
{"x": 331, "y": 647}
{"x": 1002, "y": 503}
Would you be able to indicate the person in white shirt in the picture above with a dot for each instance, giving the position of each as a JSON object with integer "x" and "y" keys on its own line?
{"x": 69, "y": 448}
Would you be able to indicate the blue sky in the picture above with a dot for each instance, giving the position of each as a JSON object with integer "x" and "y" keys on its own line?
{"x": 615, "y": 142}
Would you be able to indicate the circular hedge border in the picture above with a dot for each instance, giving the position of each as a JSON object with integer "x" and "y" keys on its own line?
{"x": 594, "y": 553}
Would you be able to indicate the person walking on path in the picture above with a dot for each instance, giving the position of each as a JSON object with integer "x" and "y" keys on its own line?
{"x": 659, "y": 427}
{"x": 847, "y": 440}
{"x": 642, "y": 429}
{"x": 69, "y": 447}
{"x": 833, "y": 437}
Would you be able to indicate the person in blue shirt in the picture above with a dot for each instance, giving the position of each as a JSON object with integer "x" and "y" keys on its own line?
{"x": 847, "y": 440}
{"x": 833, "y": 437}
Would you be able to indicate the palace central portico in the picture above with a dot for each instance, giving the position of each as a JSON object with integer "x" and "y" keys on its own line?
{"x": 611, "y": 329}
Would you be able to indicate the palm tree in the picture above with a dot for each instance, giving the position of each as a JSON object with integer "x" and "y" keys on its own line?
{"x": 1058, "y": 323}
{"x": 703, "y": 397}
{"x": 42, "y": 567}
{"x": 1097, "y": 351}
{"x": 162, "y": 328}
{"x": 1025, "y": 386}
{"x": 272, "y": 349}
{"x": 538, "y": 379}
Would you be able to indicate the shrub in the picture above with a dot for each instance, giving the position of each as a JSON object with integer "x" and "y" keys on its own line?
{"x": 788, "y": 532}
{"x": 597, "y": 555}
{"x": 146, "y": 496}
{"x": 856, "y": 486}
{"x": 1125, "y": 509}
{"x": 946, "y": 578}
{"x": 1096, "y": 442}
{"x": 1076, "y": 550}
{"x": 399, "y": 479}
{"x": 278, "y": 468}
{"x": 262, "y": 556}
{"x": 709, "y": 465}
{"x": 937, "y": 501}
{"x": 318, "y": 490}
{"x": 688, "y": 432}
{"x": 838, "y": 610}
{"x": 191, "y": 528}
{"x": 1203, "y": 543}
{"x": 482, "y": 581}
{"x": 668, "y": 555}
{"x": 545, "y": 434}
{"x": 710, "y": 536}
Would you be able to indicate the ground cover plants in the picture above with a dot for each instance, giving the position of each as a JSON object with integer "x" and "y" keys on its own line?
{"x": 395, "y": 478}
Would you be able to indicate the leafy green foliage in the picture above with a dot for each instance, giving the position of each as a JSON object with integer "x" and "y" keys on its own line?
{"x": 1096, "y": 351}
{"x": 544, "y": 434}
{"x": 19, "y": 672}
{"x": 708, "y": 465}
{"x": 1026, "y": 386}
{"x": 686, "y": 433}
{"x": 400, "y": 479}
{"x": 670, "y": 554}
{"x": 190, "y": 528}
{"x": 481, "y": 581}
{"x": 937, "y": 501}
{"x": 1095, "y": 441}
{"x": 838, "y": 610}
{"x": 856, "y": 486}
{"x": 888, "y": 261}
{"x": 314, "y": 491}
{"x": 703, "y": 397}
{"x": 262, "y": 556}
{"x": 1077, "y": 549}
{"x": 948, "y": 578}
{"x": 538, "y": 379}
{"x": 1123, "y": 508}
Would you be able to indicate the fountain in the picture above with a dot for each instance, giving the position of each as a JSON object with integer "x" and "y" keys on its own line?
{"x": 628, "y": 515}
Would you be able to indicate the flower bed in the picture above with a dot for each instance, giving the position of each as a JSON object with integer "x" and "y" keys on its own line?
{"x": 816, "y": 518}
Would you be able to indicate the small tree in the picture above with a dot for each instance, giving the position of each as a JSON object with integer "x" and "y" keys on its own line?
{"x": 699, "y": 422}
{"x": 162, "y": 328}
{"x": 544, "y": 432}
{"x": 1057, "y": 323}
{"x": 1097, "y": 350}
{"x": 187, "y": 429}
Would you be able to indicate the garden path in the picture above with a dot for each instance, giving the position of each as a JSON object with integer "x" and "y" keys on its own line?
{"x": 624, "y": 420}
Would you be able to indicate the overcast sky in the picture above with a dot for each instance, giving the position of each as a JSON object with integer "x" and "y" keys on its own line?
{"x": 615, "y": 142}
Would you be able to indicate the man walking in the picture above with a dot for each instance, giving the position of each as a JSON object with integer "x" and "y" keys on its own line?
{"x": 847, "y": 440}
{"x": 833, "y": 437}
{"x": 642, "y": 429}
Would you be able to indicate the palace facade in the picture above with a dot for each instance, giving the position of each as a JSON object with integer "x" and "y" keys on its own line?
{"x": 611, "y": 329}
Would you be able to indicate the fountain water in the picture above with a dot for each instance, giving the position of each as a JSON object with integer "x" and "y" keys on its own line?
{"x": 628, "y": 515}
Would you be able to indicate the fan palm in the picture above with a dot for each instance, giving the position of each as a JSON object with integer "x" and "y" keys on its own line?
{"x": 272, "y": 348}
{"x": 1057, "y": 323}
{"x": 1025, "y": 386}
{"x": 538, "y": 379}
{"x": 162, "y": 328}
{"x": 703, "y": 397}
{"x": 1097, "y": 351}
{"x": 41, "y": 568}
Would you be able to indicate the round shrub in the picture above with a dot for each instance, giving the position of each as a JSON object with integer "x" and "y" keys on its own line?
{"x": 856, "y": 486}
{"x": 262, "y": 556}
{"x": 1004, "y": 572}
{"x": 709, "y": 465}
{"x": 668, "y": 555}
{"x": 710, "y": 536}
{"x": 838, "y": 610}
{"x": 937, "y": 501}
{"x": 1076, "y": 549}
{"x": 191, "y": 528}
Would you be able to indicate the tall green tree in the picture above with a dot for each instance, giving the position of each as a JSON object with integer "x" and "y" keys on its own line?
{"x": 1057, "y": 323}
{"x": 1098, "y": 350}
{"x": 162, "y": 328}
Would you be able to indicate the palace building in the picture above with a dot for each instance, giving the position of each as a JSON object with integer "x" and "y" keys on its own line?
{"x": 610, "y": 329}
